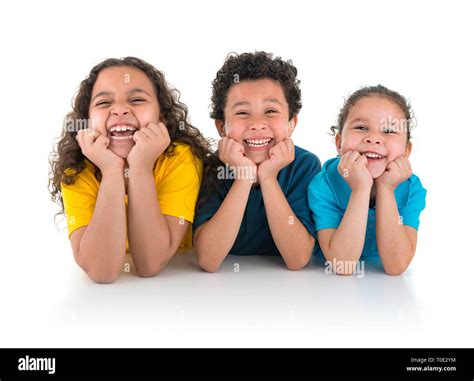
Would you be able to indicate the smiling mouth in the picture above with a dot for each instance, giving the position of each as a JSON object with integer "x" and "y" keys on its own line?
{"x": 122, "y": 132}
{"x": 258, "y": 143}
{"x": 372, "y": 156}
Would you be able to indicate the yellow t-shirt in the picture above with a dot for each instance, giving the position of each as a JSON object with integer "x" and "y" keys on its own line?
{"x": 177, "y": 178}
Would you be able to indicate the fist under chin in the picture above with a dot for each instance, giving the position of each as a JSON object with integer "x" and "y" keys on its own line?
{"x": 121, "y": 151}
{"x": 377, "y": 172}
{"x": 257, "y": 158}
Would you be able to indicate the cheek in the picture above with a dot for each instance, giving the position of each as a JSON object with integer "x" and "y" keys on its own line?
{"x": 97, "y": 121}
{"x": 235, "y": 130}
{"x": 395, "y": 149}
{"x": 145, "y": 116}
{"x": 348, "y": 144}
{"x": 280, "y": 130}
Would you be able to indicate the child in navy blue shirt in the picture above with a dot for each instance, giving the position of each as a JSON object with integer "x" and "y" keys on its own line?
{"x": 255, "y": 200}
{"x": 366, "y": 202}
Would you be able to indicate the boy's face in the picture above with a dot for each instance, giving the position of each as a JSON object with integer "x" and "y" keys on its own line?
{"x": 377, "y": 128}
{"x": 256, "y": 116}
{"x": 123, "y": 98}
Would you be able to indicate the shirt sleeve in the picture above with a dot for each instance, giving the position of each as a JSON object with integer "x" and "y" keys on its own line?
{"x": 326, "y": 212}
{"x": 308, "y": 167}
{"x": 416, "y": 202}
{"x": 79, "y": 201}
{"x": 177, "y": 189}
{"x": 208, "y": 204}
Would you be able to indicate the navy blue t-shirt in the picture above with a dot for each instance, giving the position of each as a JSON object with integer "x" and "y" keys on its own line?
{"x": 254, "y": 235}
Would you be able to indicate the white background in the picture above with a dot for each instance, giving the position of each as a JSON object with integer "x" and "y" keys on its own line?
{"x": 424, "y": 50}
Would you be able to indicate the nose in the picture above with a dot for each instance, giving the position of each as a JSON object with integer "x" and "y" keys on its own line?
{"x": 258, "y": 124}
{"x": 372, "y": 139}
{"x": 120, "y": 110}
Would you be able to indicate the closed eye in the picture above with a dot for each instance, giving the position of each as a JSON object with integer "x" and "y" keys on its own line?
{"x": 361, "y": 128}
{"x": 137, "y": 100}
{"x": 389, "y": 131}
{"x": 102, "y": 103}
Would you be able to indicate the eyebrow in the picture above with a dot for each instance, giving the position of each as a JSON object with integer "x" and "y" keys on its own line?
{"x": 359, "y": 120}
{"x": 129, "y": 92}
{"x": 271, "y": 100}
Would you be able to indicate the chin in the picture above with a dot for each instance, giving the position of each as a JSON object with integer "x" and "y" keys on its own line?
{"x": 122, "y": 151}
{"x": 257, "y": 157}
{"x": 376, "y": 173}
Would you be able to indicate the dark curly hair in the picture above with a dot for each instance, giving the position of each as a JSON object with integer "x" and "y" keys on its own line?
{"x": 380, "y": 91}
{"x": 252, "y": 66}
{"x": 67, "y": 161}
{"x": 241, "y": 67}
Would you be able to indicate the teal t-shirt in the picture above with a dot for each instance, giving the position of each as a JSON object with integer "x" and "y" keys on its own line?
{"x": 329, "y": 193}
{"x": 254, "y": 235}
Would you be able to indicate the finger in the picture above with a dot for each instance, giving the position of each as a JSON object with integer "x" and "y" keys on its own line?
{"x": 229, "y": 149}
{"x": 89, "y": 137}
{"x": 102, "y": 141}
{"x": 221, "y": 144}
{"x": 280, "y": 149}
{"x": 405, "y": 166}
{"x": 221, "y": 148}
{"x": 397, "y": 164}
{"x": 391, "y": 165}
{"x": 148, "y": 133}
{"x": 403, "y": 162}
{"x": 352, "y": 157}
{"x": 159, "y": 129}
{"x": 161, "y": 132}
{"x": 237, "y": 147}
{"x": 290, "y": 145}
{"x": 80, "y": 139}
{"x": 138, "y": 136}
{"x": 343, "y": 160}
{"x": 362, "y": 160}
{"x": 154, "y": 127}
{"x": 163, "y": 129}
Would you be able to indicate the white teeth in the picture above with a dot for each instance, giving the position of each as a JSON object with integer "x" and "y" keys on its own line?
{"x": 258, "y": 142}
{"x": 122, "y": 128}
{"x": 373, "y": 155}
{"x": 130, "y": 137}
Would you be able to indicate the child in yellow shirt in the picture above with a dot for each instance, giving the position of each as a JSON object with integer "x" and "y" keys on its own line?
{"x": 127, "y": 170}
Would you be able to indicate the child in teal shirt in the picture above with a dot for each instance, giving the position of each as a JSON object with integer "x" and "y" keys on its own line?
{"x": 366, "y": 202}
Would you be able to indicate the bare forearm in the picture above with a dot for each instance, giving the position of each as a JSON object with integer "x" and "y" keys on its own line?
{"x": 347, "y": 242}
{"x": 293, "y": 241}
{"x": 217, "y": 236}
{"x": 148, "y": 232}
{"x": 103, "y": 244}
{"x": 393, "y": 243}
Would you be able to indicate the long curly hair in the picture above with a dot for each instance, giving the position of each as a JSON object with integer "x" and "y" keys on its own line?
{"x": 67, "y": 161}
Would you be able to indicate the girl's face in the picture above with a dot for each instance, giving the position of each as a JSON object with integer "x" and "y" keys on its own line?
{"x": 256, "y": 115}
{"x": 377, "y": 128}
{"x": 123, "y": 101}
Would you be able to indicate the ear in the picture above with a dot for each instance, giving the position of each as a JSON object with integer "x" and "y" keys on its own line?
{"x": 292, "y": 124}
{"x": 220, "y": 127}
{"x": 408, "y": 149}
{"x": 338, "y": 143}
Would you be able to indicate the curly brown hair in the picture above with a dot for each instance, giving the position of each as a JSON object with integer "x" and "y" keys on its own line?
{"x": 253, "y": 66}
{"x": 241, "y": 67}
{"x": 67, "y": 161}
{"x": 380, "y": 91}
